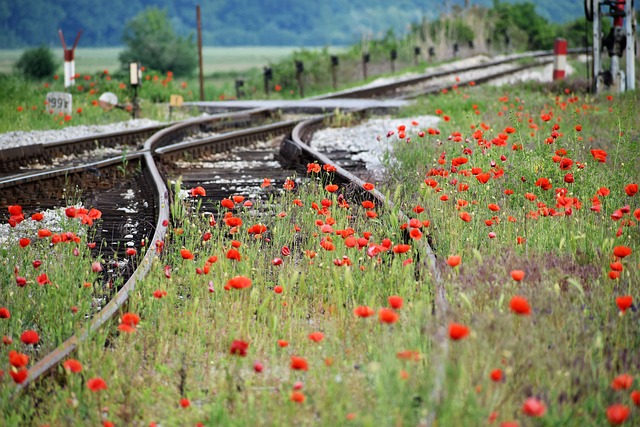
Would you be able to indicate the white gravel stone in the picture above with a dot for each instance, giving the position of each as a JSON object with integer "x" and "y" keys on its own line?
{"x": 368, "y": 140}
{"x": 20, "y": 138}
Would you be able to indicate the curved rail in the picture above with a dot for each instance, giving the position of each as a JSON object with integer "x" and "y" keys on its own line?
{"x": 12, "y": 158}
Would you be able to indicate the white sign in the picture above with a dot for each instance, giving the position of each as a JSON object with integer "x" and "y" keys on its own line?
{"x": 59, "y": 102}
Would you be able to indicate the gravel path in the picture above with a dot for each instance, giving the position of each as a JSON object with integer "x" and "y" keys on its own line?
{"x": 20, "y": 138}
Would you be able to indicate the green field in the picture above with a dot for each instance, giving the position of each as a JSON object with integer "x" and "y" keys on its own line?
{"x": 215, "y": 59}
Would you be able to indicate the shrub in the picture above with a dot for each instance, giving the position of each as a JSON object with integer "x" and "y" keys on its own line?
{"x": 37, "y": 63}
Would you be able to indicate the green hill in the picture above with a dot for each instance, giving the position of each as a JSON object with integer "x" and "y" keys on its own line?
{"x": 236, "y": 23}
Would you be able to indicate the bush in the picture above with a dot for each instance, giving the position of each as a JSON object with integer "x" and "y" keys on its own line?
{"x": 152, "y": 42}
{"x": 37, "y": 63}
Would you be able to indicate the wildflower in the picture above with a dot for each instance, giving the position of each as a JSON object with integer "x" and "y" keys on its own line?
{"x": 239, "y": 347}
{"x": 622, "y": 251}
{"x": 458, "y": 331}
{"x": 297, "y": 396}
{"x": 400, "y": 249}
{"x": 5, "y": 313}
{"x": 631, "y": 189}
{"x": 622, "y": 382}
{"x": 18, "y": 360}
{"x": 517, "y": 275}
{"x": 159, "y": 293}
{"x": 283, "y": 343}
{"x": 635, "y": 396}
{"x": 454, "y": 260}
{"x": 363, "y": 311}
{"x": 617, "y": 414}
{"x": 299, "y": 363}
{"x": 24, "y": 242}
{"x": 395, "y": 301}
{"x": 368, "y": 186}
{"x": 72, "y": 365}
{"x": 186, "y": 254}
{"x": 599, "y": 155}
{"x": 465, "y": 216}
{"x": 387, "y": 315}
{"x": 624, "y": 302}
{"x": 316, "y": 336}
{"x": 96, "y": 384}
{"x": 496, "y": 375}
{"x": 184, "y": 402}
{"x": 29, "y": 337}
{"x": 19, "y": 376}
{"x": 519, "y": 305}
{"x": 233, "y": 254}
{"x": 533, "y": 407}
{"x": 258, "y": 367}
{"x": 239, "y": 282}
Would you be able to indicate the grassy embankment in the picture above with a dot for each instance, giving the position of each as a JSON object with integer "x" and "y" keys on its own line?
{"x": 510, "y": 184}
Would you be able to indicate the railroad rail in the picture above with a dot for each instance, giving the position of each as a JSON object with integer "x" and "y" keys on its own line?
{"x": 165, "y": 146}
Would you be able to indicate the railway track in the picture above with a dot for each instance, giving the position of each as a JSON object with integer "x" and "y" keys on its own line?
{"x": 192, "y": 151}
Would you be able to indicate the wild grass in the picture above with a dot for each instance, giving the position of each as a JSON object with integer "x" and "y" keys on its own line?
{"x": 568, "y": 353}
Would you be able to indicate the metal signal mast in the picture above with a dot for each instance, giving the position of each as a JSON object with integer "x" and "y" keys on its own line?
{"x": 620, "y": 41}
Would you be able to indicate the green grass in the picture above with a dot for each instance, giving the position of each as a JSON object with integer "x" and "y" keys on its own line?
{"x": 566, "y": 353}
{"x": 215, "y": 59}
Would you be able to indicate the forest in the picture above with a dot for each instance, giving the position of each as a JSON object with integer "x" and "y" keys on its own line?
{"x": 29, "y": 23}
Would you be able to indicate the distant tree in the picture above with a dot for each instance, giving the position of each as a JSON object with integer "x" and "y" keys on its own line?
{"x": 36, "y": 63}
{"x": 152, "y": 42}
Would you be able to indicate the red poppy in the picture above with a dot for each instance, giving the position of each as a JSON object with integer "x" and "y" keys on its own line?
{"x": 18, "y": 360}
{"x": 198, "y": 191}
{"x": 159, "y": 293}
{"x": 483, "y": 177}
{"x": 517, "y": 275}
{"x": 297, "y": 396}
{"x": 519, "y": 305}
{"x": 5, "y": 313}
{"x": 544, "y": 183}
{"x": 493, "y": 207}
{"x": 96, "y": 384}
{"x": 395, "y": 301}
{"x": 184, "y": 402}
{"x": 622, "y": 251}
{"x": 289, "y": 185}
{"x": 368, "y": 186}
{"x": 400, "y": 249}
{"x": 631, "y": 189}
{"x": 617, "y": 414}
{"x": 363, "y": 311}
{"x": 496, "y": 375}
{"x": 635, "y": 397}
{"x": 533, "y": 407}
{"x": 624, "y": 302}
{"x": 387, "y": 315}
{"x": 24, "y": 242}
{"x": 454, "y": 260}
{"x": 622, "y": 382}
{"x": 299, "y": 363}
{"x": 239, "y": 348}
{"x": 599, "y": 155}
{"x": 239, "y": 282}
{"x": 233, "y": 254}
{"x": 316, "y": 336}
{"x": 283, "y": 343}
{"x": 19, "y": 376}
{"x": 465, "y": 216}
{"x": 186, "y": 254}
{"x": 458, "y": 331}
{"x": 72, "y": 365}
{"x": 30, "y": 337}
{"x": 43, "y": 279}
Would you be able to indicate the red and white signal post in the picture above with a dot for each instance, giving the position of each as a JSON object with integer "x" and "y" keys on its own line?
{"x": 69, "y": 62}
